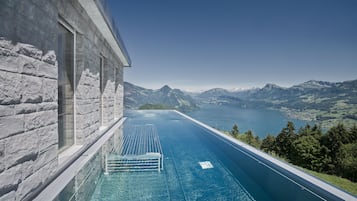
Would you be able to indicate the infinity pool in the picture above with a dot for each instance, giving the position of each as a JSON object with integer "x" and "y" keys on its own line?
{"x": 198, "y": 164}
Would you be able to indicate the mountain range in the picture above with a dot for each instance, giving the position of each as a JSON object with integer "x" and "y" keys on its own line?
{"x": 324, "y": 102}
{"x": 165, "y": 97}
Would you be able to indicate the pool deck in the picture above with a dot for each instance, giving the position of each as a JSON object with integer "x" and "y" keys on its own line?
{"x": 313, "y": 180}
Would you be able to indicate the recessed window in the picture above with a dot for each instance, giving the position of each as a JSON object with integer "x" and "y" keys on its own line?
{"x": 101, "y": 88}
{"x": 65, "y": 59}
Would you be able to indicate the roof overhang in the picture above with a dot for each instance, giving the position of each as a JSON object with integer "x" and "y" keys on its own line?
{"x": 97, "y": 14}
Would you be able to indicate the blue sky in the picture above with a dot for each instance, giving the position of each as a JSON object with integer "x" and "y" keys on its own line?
{"x": 201, "y": 44}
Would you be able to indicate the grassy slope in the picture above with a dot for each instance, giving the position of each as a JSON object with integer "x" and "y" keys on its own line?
{"x": 342, "y": 183}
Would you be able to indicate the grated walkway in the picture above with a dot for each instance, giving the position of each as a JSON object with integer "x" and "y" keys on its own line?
{"x": 140, "y": 150}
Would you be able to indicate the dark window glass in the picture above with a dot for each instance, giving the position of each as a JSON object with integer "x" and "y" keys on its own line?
{"x": 65, "y": 58}
{"x": 101, "y": 88}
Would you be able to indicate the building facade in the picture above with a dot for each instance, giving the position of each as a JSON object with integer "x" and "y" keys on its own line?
{"x": 61, "y": 87}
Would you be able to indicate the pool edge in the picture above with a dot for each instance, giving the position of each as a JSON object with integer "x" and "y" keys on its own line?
{"x": 57, "y": 184}
{"x": 324, "y": 186}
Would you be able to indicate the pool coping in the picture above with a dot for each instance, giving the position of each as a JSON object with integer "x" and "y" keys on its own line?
{"x": 60, "y": 182}
{"x": 292, "y": 170}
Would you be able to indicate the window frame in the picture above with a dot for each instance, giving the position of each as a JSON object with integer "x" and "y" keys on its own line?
{"x": 69, "y": 28}
{"x": 101, "y": 90}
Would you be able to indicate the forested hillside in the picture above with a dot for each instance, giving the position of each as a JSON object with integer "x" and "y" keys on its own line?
{"x": 332, "y": 152}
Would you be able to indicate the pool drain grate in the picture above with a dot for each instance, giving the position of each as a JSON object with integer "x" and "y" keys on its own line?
{"x": 206, "y": 164}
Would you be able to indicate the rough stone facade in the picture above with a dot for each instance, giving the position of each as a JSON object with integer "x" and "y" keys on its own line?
{"x": 28, "y": 89}
{"x": 28, "y": 118}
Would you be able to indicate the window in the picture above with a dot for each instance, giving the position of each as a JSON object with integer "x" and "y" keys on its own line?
{"x": 101, "y": 88}
{"x": 65, "y": 59}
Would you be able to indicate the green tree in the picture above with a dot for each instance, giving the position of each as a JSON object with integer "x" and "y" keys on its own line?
{"x": 235, "y": 131}
{"x": 347, "y": 157}
{"x": 326, "y": 160}
{"x": 304, "y": 131}
{"x": 268, "y": 144}
{"x": 257, "y": 140}
{"x": 336, "y": 136}
{"x": 314, "y": 131}
{"x": 250, "y": 137}
{"x": 154, "y": 107}
{"x": 284, "y": 140}
{"x": 305, "y": 152}
{"x": 353, "y": 134}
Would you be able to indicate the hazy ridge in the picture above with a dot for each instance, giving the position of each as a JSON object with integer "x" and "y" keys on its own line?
{"x": 165, "y": 97}
{"x": 324, "y": 102}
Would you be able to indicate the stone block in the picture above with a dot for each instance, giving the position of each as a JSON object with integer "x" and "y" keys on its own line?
{"x": 11, "y": 125}
{"x": 40, "y": 119}
{"x": 87, "y": 78}
{"x": 47, "y": 70}
{"x": 50, "y": 92}
{"x": 47, "y": 106}
{"x": 2, "y": 155}
{"x": 48, "y": 136}
{"x": 9, "y": 61}
{"x": 86, "y": 102}
{"x": 50, "y": 58}
{"x": 80, "y": 124}
{"x": 29, "y": 184}
{"x": 10, "y": 180}
{"x": 47, "y": 156}
{"x": 80, "y": 136}
{"x": 10, "y": 88}
{"x": 21, "y": 148}
{"x": 83, "y": 91}
{"x": 27, "y": 169}
{"x": 51, "y": 168}
{"x": 6, "y": 110}
{"x": 28, "y": 50}
{"x": 6, "y": 44}
{"x": 32, "y": 92}
{"x": 30, "y": 68}
{"x": 35, "y": 180}
{"x": 8, "y": 197}
{"x": 25, "y": 108}
{"x": 85, "y": 109}
{"x": 94, "y": 129}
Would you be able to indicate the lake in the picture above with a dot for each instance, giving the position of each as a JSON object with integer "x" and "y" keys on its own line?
{"x": 261, "y": 121}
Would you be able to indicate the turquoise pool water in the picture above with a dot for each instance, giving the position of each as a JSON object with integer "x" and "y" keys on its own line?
{"x": 233, "y": 174}
{"x": 198, "y": 164}
{"x": 182, "y": 177}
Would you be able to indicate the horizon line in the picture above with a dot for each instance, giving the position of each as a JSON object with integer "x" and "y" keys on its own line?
{"x": 202, "y": 88}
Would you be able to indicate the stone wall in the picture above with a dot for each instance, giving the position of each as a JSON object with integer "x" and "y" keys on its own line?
{"x": 119, "y": 94}
{"x": 108, "y": 93}
{"x": 28, "y": 96}
{"x": 90, "y": 46}
{"x": 28, "y": 89}
{"x": 28, "y": 118}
